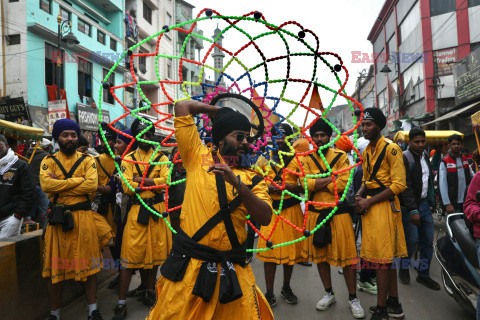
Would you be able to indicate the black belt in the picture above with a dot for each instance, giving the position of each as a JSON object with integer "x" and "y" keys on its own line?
{"x": 184, "y": 248}
{"x": 144, "y": 213}
{"x": 374, "y": 191}
{"x": 62, "y": 214}
{"x": 287, "y": 203}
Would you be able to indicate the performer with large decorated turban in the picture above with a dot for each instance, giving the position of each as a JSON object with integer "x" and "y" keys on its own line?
{"x": 383, "y": 238}
{"x": 206, "y": 275}
{"x": 334, "y": 243}
{"x": 72, "y": 249}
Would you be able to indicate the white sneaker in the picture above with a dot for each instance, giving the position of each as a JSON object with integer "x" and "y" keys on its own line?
{"x": 327, "y": 300}
{"x": 357, "y": 310}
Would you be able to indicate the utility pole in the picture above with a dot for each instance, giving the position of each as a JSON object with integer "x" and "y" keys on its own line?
{"x": 435, "y": 85}
{"x": 4, "y": 90}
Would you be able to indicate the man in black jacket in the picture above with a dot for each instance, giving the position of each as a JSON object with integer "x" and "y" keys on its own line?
{"x": 417, "y": 218}
{"x": 17, "y": 190}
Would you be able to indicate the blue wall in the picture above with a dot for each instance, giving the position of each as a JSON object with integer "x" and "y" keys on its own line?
{"x": 37, "y": 92}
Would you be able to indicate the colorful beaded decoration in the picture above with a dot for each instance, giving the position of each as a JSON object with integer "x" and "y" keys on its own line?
{"x": 289, "y": 34}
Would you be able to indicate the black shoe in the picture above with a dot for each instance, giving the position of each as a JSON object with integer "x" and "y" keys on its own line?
{"x": 120, "y": 312}
{"x": 305, "y": 263}
{"x": 272, "y": 301}
{"x": 378, "y": 314}
{"x": 288, "y": 295}
{"x": 150, "y": 298}
{"x": 404, "y": 276}
{"x": 428, "y": 282}
{"x": 137, "y": 292}
{"x": 95, "y": 315}
{"x": 114, "y": 283}
{"x": 394, "y": 309}
{"x": 51, "y": 317}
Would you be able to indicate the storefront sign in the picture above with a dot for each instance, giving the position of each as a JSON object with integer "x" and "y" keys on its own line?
{"x": 467, "y": 78}
{"x": 88, "y": 117}
{"x": 57, "y": 109}
{"x": 14, "y": 110}
{"x": 445, "y": 60}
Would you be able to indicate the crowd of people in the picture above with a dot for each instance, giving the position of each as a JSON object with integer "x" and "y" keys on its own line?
{"x": 87, "y": 205}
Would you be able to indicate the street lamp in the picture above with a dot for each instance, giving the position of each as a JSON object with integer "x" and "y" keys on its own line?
{"x": 64, "y": 34}
{"x": 386, "y": 69}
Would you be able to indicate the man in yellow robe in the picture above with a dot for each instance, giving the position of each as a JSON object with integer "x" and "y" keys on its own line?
{"x": 146, "y": 238}
{"x": 206, "y": 275}
{"x": 383, "y": 238}
{"x": 72, "y": 250}
{"x": 291, "y": 211}
{"x": 334, "y": 243}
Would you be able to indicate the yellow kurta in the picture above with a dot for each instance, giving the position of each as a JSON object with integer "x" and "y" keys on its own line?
{"x": 175, "y": 299}
{"x": 283, "y": 232}
{"x": 383, "y": 237}
{"x": 145, "y": 246}
{"x": 342, "y": 250}
{"x": 74, "y": 254}
{"x": 108, "y": 163}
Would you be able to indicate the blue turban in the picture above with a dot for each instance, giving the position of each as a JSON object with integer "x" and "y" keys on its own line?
{"x": 124, "y": 138}
{"x": 64, "y": 124}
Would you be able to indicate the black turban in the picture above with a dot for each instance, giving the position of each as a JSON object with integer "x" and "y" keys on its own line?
{"x": 321, "y": 125}
{"x": 375, "y": 115}
{"x": 285, "y": 129}
{"x": 82, "y": 141}
{"x": 62, "y": 125}
{"x": 109, "y": 133}
{"x": 226, "y": 121}
{"x": 140, "y": 125}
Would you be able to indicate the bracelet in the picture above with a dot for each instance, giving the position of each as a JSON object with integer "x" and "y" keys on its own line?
{"x": 358, "y": 195}
{"x": 239, "y": 182}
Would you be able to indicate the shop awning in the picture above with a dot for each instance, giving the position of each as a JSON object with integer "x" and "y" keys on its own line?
{"x": 431, "y": 135}
{"x": 19, "y": 131}
{"x": 453, "y": 113}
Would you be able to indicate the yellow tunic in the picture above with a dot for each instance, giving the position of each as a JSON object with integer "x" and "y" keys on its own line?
{"x": 383, "y": 237}
{"x": 283, "y": 232}
{"x": 342, "y": 250}
{"x": 108, "y": 163}
{"x": 74, "y": 254}
{"x": 145, "y": 246}
{"x": 175, "y": 299}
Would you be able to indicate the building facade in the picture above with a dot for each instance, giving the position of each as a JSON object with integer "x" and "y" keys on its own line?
{"x": 32, "y": 60}
{"x": 415, "y": 46}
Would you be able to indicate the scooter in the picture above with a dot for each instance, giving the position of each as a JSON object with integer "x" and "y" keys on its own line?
{"x": 457, "y": 254}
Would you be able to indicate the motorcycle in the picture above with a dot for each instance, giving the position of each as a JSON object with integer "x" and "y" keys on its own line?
{"x": 457, "y": 254}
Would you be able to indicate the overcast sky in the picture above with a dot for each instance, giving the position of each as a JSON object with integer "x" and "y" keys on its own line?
{"x": 342, "y": 26}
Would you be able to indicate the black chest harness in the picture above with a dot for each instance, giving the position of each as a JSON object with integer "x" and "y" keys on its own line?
{"x": 287, "y": 203}
{"x": 106, "y": 199}
{"x": 144, "y": 214}
{"x": 373, "y": 176}
{"x": 184, "y": 248}
{"x": 60, "y": 213}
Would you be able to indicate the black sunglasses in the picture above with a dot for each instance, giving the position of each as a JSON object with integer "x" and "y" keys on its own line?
{"x": 241, "y": 136}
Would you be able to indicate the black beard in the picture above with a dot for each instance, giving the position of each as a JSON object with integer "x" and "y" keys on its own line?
{"x": 144, "y": 146}
{"x": 228, "y": 150}
{"x": 283, "y": 147}
{"x": 67, "y": 149}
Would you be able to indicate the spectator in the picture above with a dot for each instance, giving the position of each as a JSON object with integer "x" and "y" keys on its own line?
{"x": 472, "y": 212}
{"x": 43, "y": 149}
{"x": 416, "y": 201}
{"x": 17, "y": 190}
{"x": 454, "y": 176}
{"x": 476, "y": 161}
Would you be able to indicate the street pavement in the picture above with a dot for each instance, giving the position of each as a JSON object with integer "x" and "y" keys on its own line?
{"x": 418, "y": 301}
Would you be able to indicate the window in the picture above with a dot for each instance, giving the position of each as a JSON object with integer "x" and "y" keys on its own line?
{"x": 147, "y": 13}
{"x": 441, "y": 7}
{"x": 170, "y": 109}
{"x": 169, "y": 19}
{"x": 12, "y": 0}
{"x": 46, "y": 5}
{"x": 410, "y": 22}
{"x": 107, "y": 95}
{"x": 169, "y": 69}
{"x": 142, "y": 64}
{"x": 51, "y": 56}
{"x": 84, "y": 27}
{"x": 100, "y": 37}
{"x": 113, "y": 44}
{"x": 13, "y": 39}
{"x": 473, "y": 3}
{"x": 382, "y": 102}
{"x": 66, "y": 15}
{"x": 84, "y": 78}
